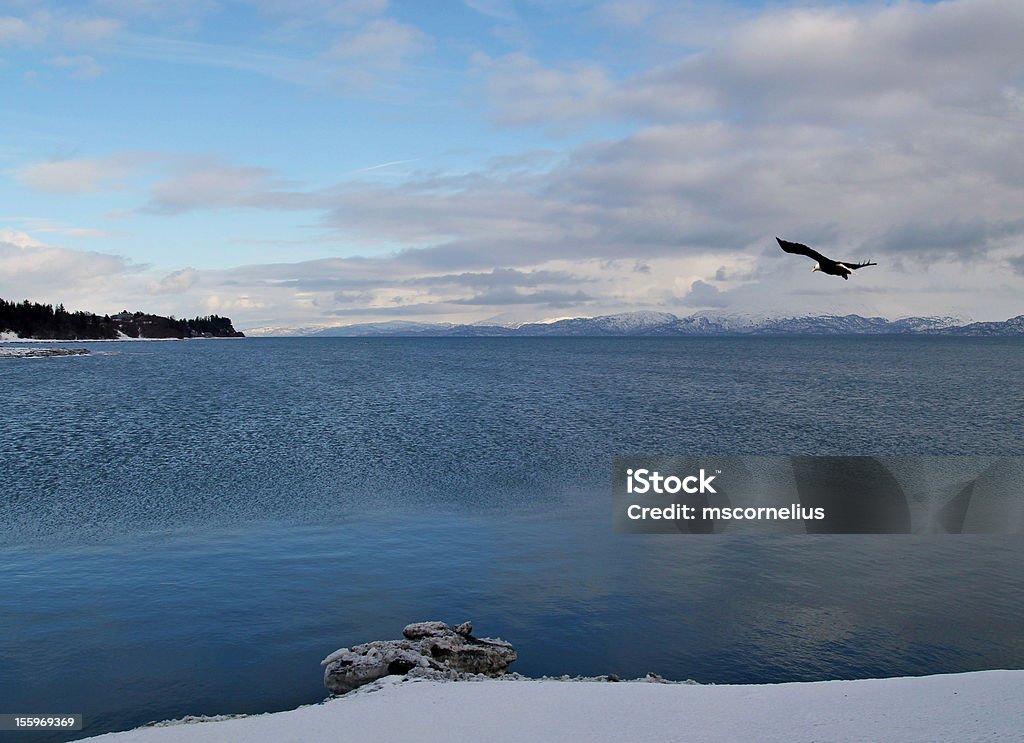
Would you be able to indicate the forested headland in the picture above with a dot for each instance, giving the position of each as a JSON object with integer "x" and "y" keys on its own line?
{"x": 45, "y": 322}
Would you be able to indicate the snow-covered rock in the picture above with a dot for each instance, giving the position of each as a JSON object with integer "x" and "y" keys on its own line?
{"x": 427, "y": 646}
{"x": 7, "y": 352}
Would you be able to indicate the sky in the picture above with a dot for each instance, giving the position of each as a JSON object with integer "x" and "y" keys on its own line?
{"x": 306, "y": 163}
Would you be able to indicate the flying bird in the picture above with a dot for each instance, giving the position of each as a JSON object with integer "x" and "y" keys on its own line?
{"x": 825, "y": 265}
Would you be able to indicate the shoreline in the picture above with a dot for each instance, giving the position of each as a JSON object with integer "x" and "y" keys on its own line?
{"x": 977, "y": 705}
{"x": 10, "y": 352}
{"x": 15, "y": 339}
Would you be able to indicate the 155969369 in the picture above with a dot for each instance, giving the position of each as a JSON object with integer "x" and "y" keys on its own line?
{"x": 40, "y": 722}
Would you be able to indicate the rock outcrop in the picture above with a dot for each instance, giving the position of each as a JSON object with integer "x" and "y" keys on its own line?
{"x": 428, "y": 648}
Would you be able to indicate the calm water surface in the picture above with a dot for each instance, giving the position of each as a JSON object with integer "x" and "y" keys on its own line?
{"x": 189, "y": 527}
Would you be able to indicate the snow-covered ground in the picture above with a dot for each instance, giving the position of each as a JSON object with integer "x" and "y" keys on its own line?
{"x": 9, "y": 337}
{"x": 980, "y": 706}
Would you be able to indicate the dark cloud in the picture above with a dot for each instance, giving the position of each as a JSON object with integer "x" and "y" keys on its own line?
{"x": 963, "y": 239}
{"x": 352, "y": 298}
{"x": 177, "y": 282}
{"x": 703, "y": 294}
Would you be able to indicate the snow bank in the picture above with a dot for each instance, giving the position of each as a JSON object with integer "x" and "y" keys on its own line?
{"x": 980, "y": 706}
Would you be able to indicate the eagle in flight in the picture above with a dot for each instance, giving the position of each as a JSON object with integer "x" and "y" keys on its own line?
{"x": 825, "y": 265}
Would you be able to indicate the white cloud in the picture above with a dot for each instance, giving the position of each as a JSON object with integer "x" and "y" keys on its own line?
{"x": 31, "y": 269}
{"x": 360, "y": 59}
{"x": 102, "y": 282}
{"x": 291, "y": 69}
{"x": 82, "y": 66}
{"x": 374, "y": 53}
{"x": 503, "y": 10}
{"x": 86, "y": 30}
{"x": 16, "y": 30}
{"x": 183, "y": 182}
{"x": 42, "y": 225}
{"x": 303, "y": 13}
{"x": 80, "y": 176}
{"x": 368, "y": 50}
{"x": 524, "y": 91}
{"x": 207, "y": 183}
{"x": 383, "y": 39}
{"x": 41, "y": 25}
{"x": 628, "y": 13}
{"x": 184, "y": 14}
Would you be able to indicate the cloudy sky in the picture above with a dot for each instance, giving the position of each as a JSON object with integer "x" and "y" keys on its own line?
{"x": 296, "y": 163}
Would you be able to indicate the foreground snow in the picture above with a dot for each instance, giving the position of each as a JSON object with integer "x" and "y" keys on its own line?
{"x": 981, "y": 706}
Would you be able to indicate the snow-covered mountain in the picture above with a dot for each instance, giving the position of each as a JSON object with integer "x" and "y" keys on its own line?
{"x": 1013, "y": 326}
{"x": 701, "y": 323}
{"x": 260, "y": 331}
{"x": 391, "y": 327}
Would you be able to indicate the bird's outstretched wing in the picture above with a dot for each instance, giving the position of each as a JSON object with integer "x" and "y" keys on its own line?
{"x": 855, "y": 266}
{"x": 800, "y": 249}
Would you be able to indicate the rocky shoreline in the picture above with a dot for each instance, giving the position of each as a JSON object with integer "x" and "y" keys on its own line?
{"x": 435, "y": 651}
{"x": 427, "y": 650}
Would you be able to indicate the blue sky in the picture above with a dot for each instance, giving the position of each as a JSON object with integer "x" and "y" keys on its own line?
{"x": 310, "y": 163}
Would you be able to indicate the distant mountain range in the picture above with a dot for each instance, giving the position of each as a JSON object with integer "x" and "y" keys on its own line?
{"x": 666, "y": 324}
